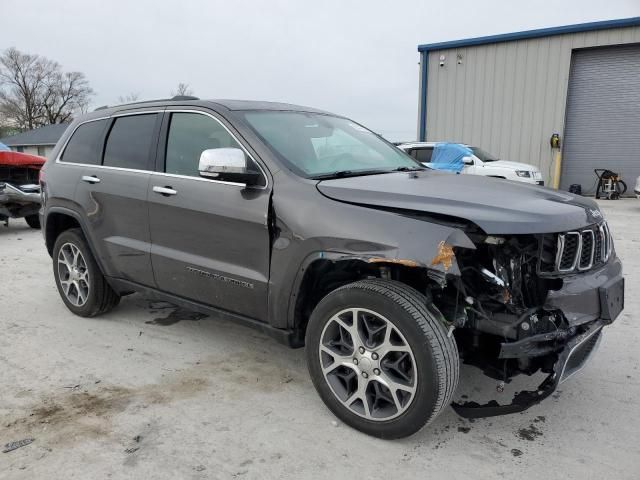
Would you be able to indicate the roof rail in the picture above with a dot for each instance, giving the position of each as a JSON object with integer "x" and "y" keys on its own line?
{"x": 184, "y": 97}
{"x": 176, "y": 97}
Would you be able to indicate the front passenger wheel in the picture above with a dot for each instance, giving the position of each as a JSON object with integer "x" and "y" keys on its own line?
{"x": 380, "y": 358}
{"x": 80, "y": 282}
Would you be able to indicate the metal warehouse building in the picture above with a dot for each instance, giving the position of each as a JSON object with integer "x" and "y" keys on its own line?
{"x": 510, "y": 93}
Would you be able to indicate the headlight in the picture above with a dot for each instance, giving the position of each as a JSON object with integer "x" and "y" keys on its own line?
{"x": 523, "y": 173}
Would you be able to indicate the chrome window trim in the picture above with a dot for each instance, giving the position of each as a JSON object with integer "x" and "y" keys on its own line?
{"x": 125, "y": 114}
{"x": 66, "y": 142}
{"x": 258, "y": 164}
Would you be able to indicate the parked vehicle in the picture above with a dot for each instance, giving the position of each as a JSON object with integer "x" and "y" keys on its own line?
{"x": 636, "y": 190}
{"x": 473, "y": 161}
{"x": 19, "y": 189}
{"x": 315, "y": 230}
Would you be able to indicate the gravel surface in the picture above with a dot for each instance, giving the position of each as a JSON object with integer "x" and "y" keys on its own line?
{"x": 151, "y": 391}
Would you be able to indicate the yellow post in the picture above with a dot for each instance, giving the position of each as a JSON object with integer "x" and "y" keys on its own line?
{"x": 556, "y": 173}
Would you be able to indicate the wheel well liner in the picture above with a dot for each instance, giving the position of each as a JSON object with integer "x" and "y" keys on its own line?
{"x": 327, "y": 273}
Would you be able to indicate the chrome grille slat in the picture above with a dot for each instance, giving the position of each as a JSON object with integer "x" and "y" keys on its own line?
{"x": 577, "y": 251}
{"x": 587, "y": 250}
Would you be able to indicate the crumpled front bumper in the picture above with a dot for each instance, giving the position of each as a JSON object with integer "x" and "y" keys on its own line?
{"x": 589, "y": 302}
{"x": 572, "y": 359}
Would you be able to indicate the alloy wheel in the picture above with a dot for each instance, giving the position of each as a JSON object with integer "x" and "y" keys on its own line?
{"x": 73, "y": 274}
{"x": 368, "y": 364}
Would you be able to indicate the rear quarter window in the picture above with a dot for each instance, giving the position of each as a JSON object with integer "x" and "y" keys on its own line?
{"x": 84, "y": 143}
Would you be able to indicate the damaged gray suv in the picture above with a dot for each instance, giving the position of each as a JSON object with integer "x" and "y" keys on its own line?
{"x": 316, "y": 231}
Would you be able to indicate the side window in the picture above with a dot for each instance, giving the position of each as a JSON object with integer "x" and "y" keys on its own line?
{"x": 83, "y": 145}
{"x": 423, "y": 154}
{"x": 129, "y": 142}
{"x": 189, "y": 135}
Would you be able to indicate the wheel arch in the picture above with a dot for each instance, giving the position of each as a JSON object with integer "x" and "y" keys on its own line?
{"x": 60, "y": 219}
{"x": 323, "y": 272}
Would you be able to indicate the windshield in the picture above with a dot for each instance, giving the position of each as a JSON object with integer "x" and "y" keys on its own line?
{"x": 319, "y": 146}
{"x": 483, "y": 155}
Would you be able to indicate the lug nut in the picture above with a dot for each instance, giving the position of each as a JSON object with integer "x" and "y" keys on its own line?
{"x": 374, "y": 356}
{"x": 376, "y": 371}
{"x": 365, "y": 374}
{"x": 361, "y": 349}
{"x": 355, "y": 361}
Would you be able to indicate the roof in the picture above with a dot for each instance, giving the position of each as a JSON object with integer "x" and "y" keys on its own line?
{"x": 540, "y": 32}
{"x": 48, "y": 135}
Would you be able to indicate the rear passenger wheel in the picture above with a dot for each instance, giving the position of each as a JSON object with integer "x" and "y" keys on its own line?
{"x": 80, "y": 282}
{"x": 380, "y": 358}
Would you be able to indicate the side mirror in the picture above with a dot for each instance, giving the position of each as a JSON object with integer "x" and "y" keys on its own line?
{"x": 468, "y": 160}
{"x": 228, "y": 165}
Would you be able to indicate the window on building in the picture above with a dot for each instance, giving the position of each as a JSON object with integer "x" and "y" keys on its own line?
{"x": 129, "y": 142}
{"x": 83, "y": 145}
{"x": 42, "y": 151}
{"x": 20, "y": 149}
{"x": 189, "y": 135}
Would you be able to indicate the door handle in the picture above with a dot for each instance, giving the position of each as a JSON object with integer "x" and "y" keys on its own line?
{"x": 90, "y": 179}
{"x": 166, "y": 191}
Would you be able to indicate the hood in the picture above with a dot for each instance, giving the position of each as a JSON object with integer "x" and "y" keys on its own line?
{"x": 512, "y": 165}
{"x": 495, "y": 205}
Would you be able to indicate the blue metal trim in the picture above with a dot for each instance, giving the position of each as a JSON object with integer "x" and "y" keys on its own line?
{"x": 541, "y": 32}
{"x": 424, "y": 75}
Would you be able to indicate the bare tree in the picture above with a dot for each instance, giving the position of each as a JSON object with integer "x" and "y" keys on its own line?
{"x": 67, "y": 93}
{"x": 34, "y": 91}
{"x": 129, "y": 98}
{"x": 183, "y": 90}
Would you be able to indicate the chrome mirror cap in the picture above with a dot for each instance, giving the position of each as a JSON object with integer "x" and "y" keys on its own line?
{"x": 217, "y": 162}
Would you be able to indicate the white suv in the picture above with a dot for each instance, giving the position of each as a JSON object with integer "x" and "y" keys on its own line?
{"x": 479, "y": 162}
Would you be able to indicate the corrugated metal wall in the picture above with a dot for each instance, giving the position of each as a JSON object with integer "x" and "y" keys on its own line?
{"x": 509, "y": 97}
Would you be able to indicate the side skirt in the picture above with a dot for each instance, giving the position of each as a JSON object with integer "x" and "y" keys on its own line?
{"x": 291, "y": 338}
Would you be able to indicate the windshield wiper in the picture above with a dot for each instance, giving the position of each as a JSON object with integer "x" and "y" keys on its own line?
{"x": 408, "y": 169}
{"x": 347, "y": 173}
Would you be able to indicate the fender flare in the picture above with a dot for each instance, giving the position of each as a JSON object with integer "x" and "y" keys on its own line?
{"x": 83, "y": 226}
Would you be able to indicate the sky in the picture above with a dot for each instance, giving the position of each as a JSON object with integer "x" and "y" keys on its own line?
{"x": 353, "y": 57}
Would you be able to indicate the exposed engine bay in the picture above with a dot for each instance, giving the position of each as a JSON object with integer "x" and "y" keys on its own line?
{"x": 502, "y": 321}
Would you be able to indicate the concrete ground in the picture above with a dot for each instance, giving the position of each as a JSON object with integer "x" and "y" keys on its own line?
{"x": 149, "y": 391}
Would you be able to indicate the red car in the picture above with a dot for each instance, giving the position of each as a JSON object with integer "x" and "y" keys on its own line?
{"x": 19, "y": 188}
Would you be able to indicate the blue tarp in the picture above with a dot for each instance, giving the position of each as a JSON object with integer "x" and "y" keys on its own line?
{"x": 4, "y": 148}
{"x": 449, "y": 156}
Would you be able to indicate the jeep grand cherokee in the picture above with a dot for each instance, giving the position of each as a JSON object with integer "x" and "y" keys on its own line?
{"x": 315, "y": 230}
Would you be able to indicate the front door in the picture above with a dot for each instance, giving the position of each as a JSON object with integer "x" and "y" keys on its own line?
{"x": 210, "y": 239}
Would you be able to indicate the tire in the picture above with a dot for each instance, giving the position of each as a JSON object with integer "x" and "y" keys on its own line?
{"x": 430, "y": 382}
{"x": 98, "y": 297}
{"x": 621, "y": 187}
{"x": 33, "y": 221}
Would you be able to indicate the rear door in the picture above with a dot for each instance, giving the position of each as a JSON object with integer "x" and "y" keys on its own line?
{"x": 113, "y": 196}
{"x": 210, "y": 238}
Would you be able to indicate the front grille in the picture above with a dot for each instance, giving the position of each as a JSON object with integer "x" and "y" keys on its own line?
{"x": 570, "y": 252}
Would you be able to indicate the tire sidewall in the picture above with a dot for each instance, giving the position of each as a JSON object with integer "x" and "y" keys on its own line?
{"x": 426, "y": 397}
{"x": 95, "y": 275}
